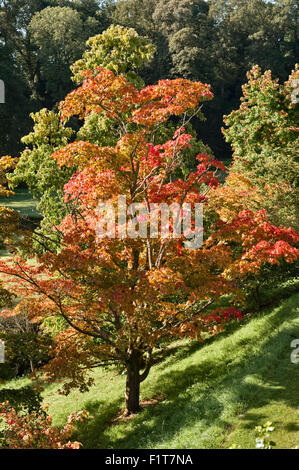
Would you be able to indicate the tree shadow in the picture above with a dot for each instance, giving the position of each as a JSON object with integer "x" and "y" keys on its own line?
{"x": 92, "y": 431}
{"x": 180, "y": 352}
{"x": 291, "y": 427}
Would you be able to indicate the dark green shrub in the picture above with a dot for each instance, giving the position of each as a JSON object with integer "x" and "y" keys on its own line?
{"x": 26, "y": 346}
{"x": 22, "y": 399}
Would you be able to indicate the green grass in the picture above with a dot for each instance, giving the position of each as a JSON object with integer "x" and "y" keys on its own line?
{"x": 21, "y": 201}
{"x": 214, "y": 393}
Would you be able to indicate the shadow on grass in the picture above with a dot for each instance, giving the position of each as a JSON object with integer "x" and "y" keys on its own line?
{"x": 291, "y": 427}
{"x": 92, "y": 431}
{"x": 206, "y": 394}
{"x": 180, "y": 352}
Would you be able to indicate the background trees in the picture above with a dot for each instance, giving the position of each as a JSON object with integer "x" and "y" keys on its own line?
{"x": 213, "y": 41}
{"x": 14, "y": 113}
{"x": 59, "y": 34}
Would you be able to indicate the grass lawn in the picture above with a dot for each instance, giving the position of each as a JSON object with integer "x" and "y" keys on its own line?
{"x": 21, "y": 201}
{"x": 209, "y": 395}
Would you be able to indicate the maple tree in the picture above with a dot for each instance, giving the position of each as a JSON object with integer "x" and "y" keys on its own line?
{"x": 263, "y": 133}
{"x": 264, "y": 172}
{"x": 120, "y": 297}
{"x": 9, "y": 219}
{"x": 122, "y": 51}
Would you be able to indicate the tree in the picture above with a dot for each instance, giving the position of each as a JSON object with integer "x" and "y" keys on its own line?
{"x": 6, "y": 164}
{"x": 34, "y": 430}
{"x": 118, "y": 49}
{"x": 35, "y": 167}
{"x": 9, "y": 220}
{"x": 119, "y": 297}
{"x": 188, "y": 28}
{"x": 15, "y": 18}
{"x": 29, "y": 78}
{"x": 13, "y": 120}
{"x": 263, "y": 135}
{"x": 139, "y": 14}
{"x": 59, "y": 35}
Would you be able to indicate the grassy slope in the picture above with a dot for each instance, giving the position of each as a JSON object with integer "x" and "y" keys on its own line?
{"x": 214, "y": 393}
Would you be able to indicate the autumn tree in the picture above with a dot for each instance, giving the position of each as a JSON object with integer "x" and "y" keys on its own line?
{"x": 119, "y": 294}
{"x": 122, "y": 51}
{"x": 8, "y": 220}
{"x": 6, "y": 163}
{"x": 264, "y": 173}
{"x": 263, "y": 133}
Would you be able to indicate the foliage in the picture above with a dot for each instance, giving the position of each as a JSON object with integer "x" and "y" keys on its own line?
{"x": 263, "y": 440}
{"x": 264, "y": 138}
{"x": 6, "y": 163}
{"x": 199, "y": 395}
{"x": 25, "y": 399}
{"x": 26, "y": 346}
{"x": 118, "y": 49}
{"x": 35, "y": 167}
{"x": 23, "y": 29}
{"x": 121, "y": 297}
{"x": 138, "y": 14}
{"x": 35, "y": 431}
{"x": 263, "y": 437}
{"x": 13, "y": 113}
{"x": 8, "y": 218}
{"x": 58, "y": 34}
{"x": 123, "y": 52}
{"x": 40, "y": 172}
{"x": 188, "y": 27}
{"x": 215, "y": 41}
{"x": 224, "y": 204}
{"x": 9, "y": 221}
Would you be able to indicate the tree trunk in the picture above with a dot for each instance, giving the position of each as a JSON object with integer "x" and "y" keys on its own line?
{"x": 133, "y": 385}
